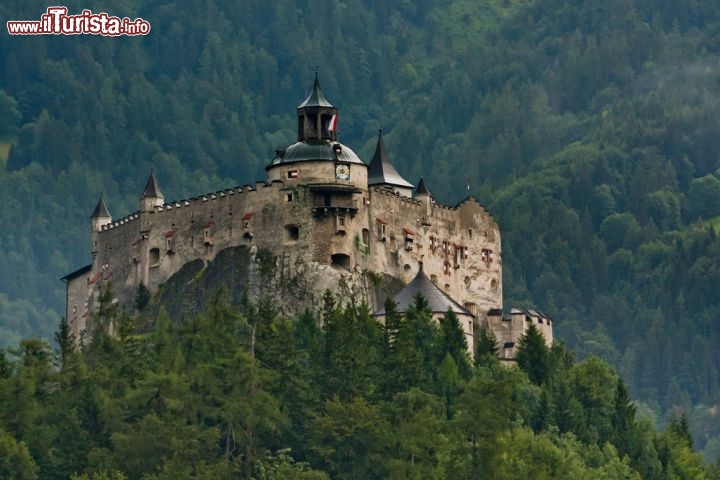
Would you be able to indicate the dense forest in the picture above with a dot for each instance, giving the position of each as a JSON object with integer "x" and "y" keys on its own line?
{"x": 588, "y": 128}
{"x": 249, "y": 394}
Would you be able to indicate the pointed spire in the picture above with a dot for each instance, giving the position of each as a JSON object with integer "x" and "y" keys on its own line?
{"x": 316, "y": 97}
{"x": 152, "y": 188}
{"x": 101, "y": 210}
{"x": 382, "y": 172}
{"x": 421, "y": 188}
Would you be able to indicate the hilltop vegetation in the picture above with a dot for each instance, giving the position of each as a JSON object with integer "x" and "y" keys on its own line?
{"x": 248, "y": 394}
{"x": 588, "y": 129}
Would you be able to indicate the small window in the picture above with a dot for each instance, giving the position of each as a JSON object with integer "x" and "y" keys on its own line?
{"x": 365, "y": 236}
{"x": 433, "y": 279}
{"x": 289, "y": 197}
{"x": 292, "y": 174}
{"x": 292, "y": 233}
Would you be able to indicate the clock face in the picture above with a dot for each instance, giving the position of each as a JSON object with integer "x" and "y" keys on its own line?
{"x": 342, "y": 172}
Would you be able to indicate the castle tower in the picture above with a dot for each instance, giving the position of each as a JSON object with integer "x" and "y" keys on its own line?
{"x": 317, "y": 157}
{"x": 99, "y": 218}
{"x": 424, "y": 196}
{"x": 382, "y": 173}
{"x": 152, "y": 196}
{"x": 317, "y": 117}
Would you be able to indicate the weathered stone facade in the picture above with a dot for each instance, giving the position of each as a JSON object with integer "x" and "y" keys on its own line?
{"x": 316, "y": 212}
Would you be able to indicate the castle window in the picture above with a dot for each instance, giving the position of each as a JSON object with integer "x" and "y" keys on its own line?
{"x": 169, "y": 235}
{"x": 207, "y": 233}
{"x": 154, "y": 257}
{"x": 289, "y": 197}
{"x": 433, "y": 244}
{"x": 433, "y": 279}
{"x": 292, "y": 233}
{"x": 409, "y": 236}
{"x": 486, "y": 255}
{"x": 365, "y": 236}
{"x": 340, "y": 222}
{"x": 382, "y": 233}
{"x": 470, "y": 232}
{"x": 292, "y": 174}
{"x": 247, "y": 225}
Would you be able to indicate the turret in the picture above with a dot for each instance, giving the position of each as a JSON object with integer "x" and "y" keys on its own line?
{"x": 381, "y": 172}
{"x": 317, "y": 117}
{"x": 99, "y": 218}
{"x": 152, "y": 196}
{"x": 423, "y": 195}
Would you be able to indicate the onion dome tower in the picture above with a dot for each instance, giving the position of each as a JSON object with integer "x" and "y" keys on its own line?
{"x": 317, "y": 157}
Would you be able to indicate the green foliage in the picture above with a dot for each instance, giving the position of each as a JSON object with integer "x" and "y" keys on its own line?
{"x": 15, "y": 460}
{"x": 533, "y": 355}
{"x": 595, "y": 125}
{"x": 230, "y": 394}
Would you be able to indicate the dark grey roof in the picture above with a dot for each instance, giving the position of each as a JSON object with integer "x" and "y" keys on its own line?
{"x": 314, "y": 151}
{"x": 438, "y": 301}
{"x": 152, "y": 189}
{"x": 421, "y": 188}
{"x": 316, "y": 97}
{"x": 101, "y": 210}
{"x": 77, "y": 273}
{"x": 381, "y": 171}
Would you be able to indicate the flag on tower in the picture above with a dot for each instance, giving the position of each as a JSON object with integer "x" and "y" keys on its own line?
{"x": 332, "y": 126}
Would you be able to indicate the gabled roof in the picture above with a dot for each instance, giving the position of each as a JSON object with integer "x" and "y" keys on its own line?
{"x": 316, "y": 97}
{"x": 438, "y": 301}
{"x": 152, "y": 189}
{"x": 381, "y": 171}
{"x": 101, "y": 210}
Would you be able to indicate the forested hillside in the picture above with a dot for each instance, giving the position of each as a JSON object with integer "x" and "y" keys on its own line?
{"x": 588, "y": 128}
{"x": 249, "y": 394}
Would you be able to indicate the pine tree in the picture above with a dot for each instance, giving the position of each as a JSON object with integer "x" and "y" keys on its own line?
{"x": 532, "y": 355}
{"x": 452, "y": 342}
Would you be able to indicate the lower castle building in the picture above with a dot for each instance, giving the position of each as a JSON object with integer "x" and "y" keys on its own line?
{"x": 321, "y": 209}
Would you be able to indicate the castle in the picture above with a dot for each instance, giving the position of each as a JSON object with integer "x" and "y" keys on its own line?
{"x": 322, "y": 209}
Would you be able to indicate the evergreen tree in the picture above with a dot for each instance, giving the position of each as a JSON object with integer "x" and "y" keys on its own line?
{"x": 532, "y": 355}
{"x": 452, "y": 342}
{"x": 486, "y": 350}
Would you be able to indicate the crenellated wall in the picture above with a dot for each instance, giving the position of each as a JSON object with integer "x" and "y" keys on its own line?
{"x": 333, "y": 223}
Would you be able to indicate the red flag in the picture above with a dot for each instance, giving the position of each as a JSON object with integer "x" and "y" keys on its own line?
{"x": 332, "y": 126}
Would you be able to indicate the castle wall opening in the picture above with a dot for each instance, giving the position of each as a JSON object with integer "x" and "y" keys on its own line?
{"x": 340, "y": 260}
